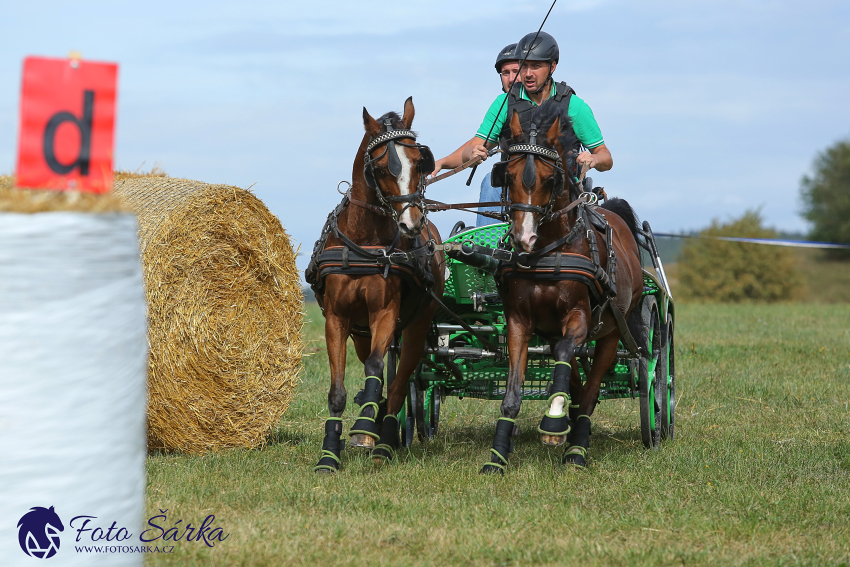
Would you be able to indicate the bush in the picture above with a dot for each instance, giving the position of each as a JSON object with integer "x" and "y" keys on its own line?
{"x": 715, "y": 270}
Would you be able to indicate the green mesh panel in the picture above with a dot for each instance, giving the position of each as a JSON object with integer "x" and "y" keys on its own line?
{"x": 488, "y": 381}
{"x": 465, "y": 280}
{"x": 484, "y": 236}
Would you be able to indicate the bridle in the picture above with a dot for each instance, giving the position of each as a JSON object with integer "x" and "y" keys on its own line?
{"x": 531, "y": 152}
{"x": 426, "y": 165}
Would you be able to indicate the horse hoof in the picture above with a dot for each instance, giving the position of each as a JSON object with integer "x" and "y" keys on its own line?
{"x": 362, "y": 440}
{"x": 323, "y": 470}
{"x": 576, "y": 460}
{"x": 492, "y": 469}
{"x": 382, "y": 454}
{"x": 553, "y": 440}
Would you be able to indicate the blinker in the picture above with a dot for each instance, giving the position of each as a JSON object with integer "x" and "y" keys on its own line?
{"x": 529, "y": 172}
{"x": 393, "y": 163}
{"x": 426, "y": 160}
{"x": 497, "y": 177}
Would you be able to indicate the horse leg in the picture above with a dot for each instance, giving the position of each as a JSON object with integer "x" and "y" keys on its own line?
{"x": 604, "y": 353}
{"x": 519, "y": 333}
{"x": 365, "y": 431}
{"x": 413, "y": 341}
{"x": 336, "y": 335}
{"x": 555, "y": 425}
{"x": 363, "y": 347}
{"x": 575, "y": 392}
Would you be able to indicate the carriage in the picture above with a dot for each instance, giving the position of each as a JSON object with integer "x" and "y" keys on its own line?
{"x": 457, "y": 362}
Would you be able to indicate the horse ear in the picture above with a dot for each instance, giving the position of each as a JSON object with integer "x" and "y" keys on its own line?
{"x": 516, "y": 127}
{"x": 371, "y": 125}
{"x": 407, "y": 119}
{"x": 554, "y": 132}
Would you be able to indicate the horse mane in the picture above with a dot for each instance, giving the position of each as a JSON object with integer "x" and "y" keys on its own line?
{"x": 544, "y": 116}
{"x": 395, "y": 120}
{"x": 624, "y": 210}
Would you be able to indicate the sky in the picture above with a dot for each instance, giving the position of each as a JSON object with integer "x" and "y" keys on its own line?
{"x": 709, "y": 108}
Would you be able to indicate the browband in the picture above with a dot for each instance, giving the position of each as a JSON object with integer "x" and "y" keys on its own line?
{"x": 534, "y": 149}
{"x": 387, "y": 136}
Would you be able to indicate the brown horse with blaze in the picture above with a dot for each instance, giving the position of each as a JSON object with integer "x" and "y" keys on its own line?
{"x": 372, "y": 271}
{"x": 554, "y": 286}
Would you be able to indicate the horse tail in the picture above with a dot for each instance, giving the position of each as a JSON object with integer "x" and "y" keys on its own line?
{"x": 622, "y": 209}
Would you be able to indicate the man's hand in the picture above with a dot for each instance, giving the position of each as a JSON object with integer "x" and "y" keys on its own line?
{"x": 474, "y": 151}
{"x": 598, "y": 158}
{"x": 586, "y": 159}
{"x": 438, "y": 166}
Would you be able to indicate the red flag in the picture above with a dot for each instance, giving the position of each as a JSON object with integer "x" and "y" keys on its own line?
{"x": 67, "y": 124}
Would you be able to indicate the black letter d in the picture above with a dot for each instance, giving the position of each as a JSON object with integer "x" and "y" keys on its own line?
{"x": 85, "y": 137}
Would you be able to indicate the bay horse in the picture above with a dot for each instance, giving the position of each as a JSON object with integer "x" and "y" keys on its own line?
{"x": 558, "y": 285}
{"x": 372, "y": 271}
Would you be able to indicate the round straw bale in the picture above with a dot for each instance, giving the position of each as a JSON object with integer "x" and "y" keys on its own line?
{"x": 225, "y": 313}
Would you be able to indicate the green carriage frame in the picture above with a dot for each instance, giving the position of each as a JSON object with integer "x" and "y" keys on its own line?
{"x": 457, "y": 364}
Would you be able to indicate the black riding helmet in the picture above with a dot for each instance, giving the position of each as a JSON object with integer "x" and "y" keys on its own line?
{"x": 508, "y": 53}
{"x": 545, "y": 48}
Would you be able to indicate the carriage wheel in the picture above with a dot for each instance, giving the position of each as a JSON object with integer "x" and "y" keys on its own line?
{"x": 428, "y": 412}
{"x": 459, "y": 226}
{"x": 407, "y": 416}
{"x": 404, "y": 414}
{"x": 426, "y": 407}
{"x": 650, "y": 374}
{"x": 668, "y": 392}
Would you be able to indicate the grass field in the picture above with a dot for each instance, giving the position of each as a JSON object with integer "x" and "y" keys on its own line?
{"x": 759, "y": 472}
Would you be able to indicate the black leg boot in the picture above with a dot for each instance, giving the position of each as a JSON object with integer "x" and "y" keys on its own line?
{"x": 576, "y": 453}
{"x": 331, "y": 447}
{"x": 389, "y": 442}
{"x": 367, "y": 422}
{"x": 557, "y": 425}
{"x": 501, "y": 447}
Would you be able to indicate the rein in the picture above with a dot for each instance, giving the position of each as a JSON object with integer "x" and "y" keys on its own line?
{"x": 473, "y": 162}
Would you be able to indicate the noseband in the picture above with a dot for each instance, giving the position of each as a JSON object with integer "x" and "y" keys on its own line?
{"x": 426, "y": 165}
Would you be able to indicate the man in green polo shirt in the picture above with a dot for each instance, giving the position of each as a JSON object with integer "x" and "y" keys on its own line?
{"x": 541, "y": 59}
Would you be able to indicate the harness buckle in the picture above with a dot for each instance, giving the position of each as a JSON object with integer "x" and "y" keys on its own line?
{"x": 467, "y": 247}
{"x": 398, "y": 257}
{"x": 522, "y": 257}
{"x": 589, "y": 198}
{"x": 502, "y": 255}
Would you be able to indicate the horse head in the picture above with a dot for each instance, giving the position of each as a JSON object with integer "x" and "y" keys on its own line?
{"x": 533, "y": 174}
{"x": 395, "y": 167}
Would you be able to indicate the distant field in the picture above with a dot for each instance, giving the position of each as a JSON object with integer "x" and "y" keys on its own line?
{"x": 759, "y": 473}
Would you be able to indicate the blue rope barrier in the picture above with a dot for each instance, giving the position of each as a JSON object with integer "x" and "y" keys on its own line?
{"x": 768, "y": 241}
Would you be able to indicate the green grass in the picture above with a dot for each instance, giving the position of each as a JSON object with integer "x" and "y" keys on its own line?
{"x": 759, "y": 472}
